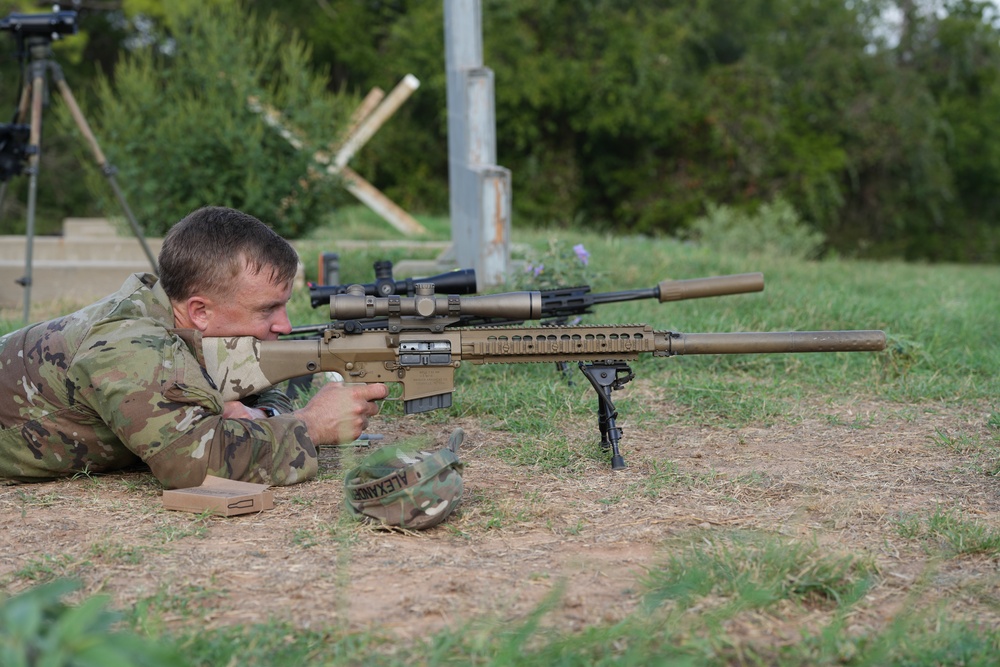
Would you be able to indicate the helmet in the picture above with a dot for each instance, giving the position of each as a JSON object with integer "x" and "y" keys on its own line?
{"x": 409, "y": 489}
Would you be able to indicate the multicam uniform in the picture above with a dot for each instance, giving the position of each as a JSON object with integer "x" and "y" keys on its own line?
{"x": 114, "y": 384}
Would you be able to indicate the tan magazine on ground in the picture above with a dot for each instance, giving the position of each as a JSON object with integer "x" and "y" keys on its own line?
{"x": 222, "y": 496}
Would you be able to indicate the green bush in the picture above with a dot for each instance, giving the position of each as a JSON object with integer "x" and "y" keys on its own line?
{"x": 38, "y": 628}
{"x": 775, "y": 229}
{"x": 176, "y": 122}
{"x": 559, "y": 266}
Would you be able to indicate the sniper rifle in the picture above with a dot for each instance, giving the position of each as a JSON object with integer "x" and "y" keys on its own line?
{"x": 557, "y": 305}
{"x": 420, "y": 348}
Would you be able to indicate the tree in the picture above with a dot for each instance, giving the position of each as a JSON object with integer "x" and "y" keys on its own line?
{"x": 957, "y": 54}
{"x": 634, "y": 115}
{"x": 176, "y": 121}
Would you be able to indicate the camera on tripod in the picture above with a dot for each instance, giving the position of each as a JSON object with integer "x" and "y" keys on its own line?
{"x": 37, "y": 29}
{"x": 20, "y": 143}
{"x": 40, "y": 25}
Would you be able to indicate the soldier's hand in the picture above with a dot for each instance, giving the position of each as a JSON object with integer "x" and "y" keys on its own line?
{"x": 237, "y": 410}
{"x": 339, "y": 413}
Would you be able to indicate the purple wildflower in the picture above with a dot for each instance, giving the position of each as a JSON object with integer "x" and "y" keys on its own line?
{"x": 581, "y": 253}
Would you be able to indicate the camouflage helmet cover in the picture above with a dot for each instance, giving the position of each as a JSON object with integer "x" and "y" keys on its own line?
{"x": 410, "y": 489}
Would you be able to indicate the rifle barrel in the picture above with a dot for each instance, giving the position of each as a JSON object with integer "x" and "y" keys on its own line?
{"x": 667, "y": 290}
{"x": 776, "y": 341}
{"x": 699, "y": 288}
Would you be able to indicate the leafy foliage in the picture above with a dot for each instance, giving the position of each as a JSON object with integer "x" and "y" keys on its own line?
{"x": 559, "y": 266}
{"x": 630, "y": 116}
{"x": 177, "y": 114}
{"x": 38, "y": 628}
{"x": 775, "y": 229}
{"x": 634, "y": 116}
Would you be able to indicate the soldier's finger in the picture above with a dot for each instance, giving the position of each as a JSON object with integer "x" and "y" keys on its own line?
{"x": 372, "y": 392}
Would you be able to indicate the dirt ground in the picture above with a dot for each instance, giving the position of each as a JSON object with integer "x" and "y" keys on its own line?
{"x": 842, "y": 472}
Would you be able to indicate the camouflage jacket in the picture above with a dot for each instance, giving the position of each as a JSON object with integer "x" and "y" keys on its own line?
{"x": 114, "y": 384}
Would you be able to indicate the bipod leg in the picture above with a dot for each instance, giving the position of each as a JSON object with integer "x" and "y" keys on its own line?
{"x": 605, "y": 378}
{"x": 563, "y": 368}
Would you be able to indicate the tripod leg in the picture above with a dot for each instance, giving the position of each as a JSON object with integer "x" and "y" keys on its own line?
{"x": 34, "y": 155}
{"x": 23, "y": 102}
{"x": 107, "y": 169}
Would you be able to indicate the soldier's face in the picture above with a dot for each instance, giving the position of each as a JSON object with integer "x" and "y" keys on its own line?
{"x": 255, "y": 307}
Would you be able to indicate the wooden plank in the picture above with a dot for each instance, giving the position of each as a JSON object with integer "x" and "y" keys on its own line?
{"x": 370, "y": 115}
{"x": 387, "y": 209}
{"x": 376, "y": 119}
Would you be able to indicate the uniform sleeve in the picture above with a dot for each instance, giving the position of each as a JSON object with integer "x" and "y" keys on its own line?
{"x": 153, "y": 394}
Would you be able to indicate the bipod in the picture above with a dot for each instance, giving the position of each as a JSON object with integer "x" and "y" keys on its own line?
{"x": 42, "y": 62}
{"x": 606, "y": 377}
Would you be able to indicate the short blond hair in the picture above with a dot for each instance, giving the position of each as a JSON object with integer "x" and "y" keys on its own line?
{"x": 210, "y": 247}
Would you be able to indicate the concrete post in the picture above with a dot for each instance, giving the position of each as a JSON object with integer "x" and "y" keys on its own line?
{"x": 480, "y": 191}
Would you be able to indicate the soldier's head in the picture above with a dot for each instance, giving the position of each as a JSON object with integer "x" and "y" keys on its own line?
{"x": 228, "y": 274}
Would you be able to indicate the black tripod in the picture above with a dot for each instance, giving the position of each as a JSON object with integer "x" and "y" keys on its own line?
{"x": 36, "y": 44}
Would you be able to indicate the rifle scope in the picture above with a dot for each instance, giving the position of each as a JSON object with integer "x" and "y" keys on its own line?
{"x": 459, "y": 281}
{"x": 357, "y": 305}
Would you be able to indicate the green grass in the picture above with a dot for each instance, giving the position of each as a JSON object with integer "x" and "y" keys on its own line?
{"x": 941, "y": 321}
{"x": 360, "y": 224}
{"x": 708, "y": 586}
{"x": 741, "y": 570}
{"x": 950, "y": 533}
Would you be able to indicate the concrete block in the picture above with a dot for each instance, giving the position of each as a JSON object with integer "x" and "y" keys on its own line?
{"x": 88, "y": 262}
{"x": 88, "y": 227}
{"x": 70, "y": 282}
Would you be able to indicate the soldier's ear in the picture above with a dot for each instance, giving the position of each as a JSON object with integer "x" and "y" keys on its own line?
{"x": 199, "y": 312}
